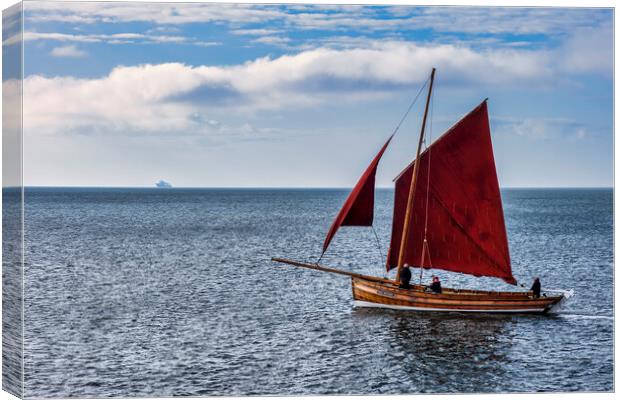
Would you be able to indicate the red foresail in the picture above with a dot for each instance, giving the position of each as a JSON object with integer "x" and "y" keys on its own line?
{"x": 358, "y": 209}
{"x": 464, "y": 220}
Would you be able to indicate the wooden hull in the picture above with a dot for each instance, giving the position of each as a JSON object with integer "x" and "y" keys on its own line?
{"x": 384, "y": 295}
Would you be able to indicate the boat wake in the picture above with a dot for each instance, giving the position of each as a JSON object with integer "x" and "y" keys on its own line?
{"x": 582, "y": 316}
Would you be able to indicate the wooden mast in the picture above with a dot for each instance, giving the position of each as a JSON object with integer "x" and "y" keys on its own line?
{"x": 414, "y": 179}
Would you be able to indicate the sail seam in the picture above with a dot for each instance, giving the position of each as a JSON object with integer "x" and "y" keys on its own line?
{"x": 467, "y": 235}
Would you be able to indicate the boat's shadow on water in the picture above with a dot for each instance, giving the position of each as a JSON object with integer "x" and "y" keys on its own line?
{"x": 437, "y": 350}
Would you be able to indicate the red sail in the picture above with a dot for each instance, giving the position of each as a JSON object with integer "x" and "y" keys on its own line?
{"x": 358, "y": 209}
{"x": 464, "y": 219}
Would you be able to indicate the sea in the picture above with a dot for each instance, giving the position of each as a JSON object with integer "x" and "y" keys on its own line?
{"x": 172, "y": 292}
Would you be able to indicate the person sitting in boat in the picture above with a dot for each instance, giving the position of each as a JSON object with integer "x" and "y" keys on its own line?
{"x": 405, "y": 277}
{"x": 436, "y": 285}
{"x": 536, "y": 287}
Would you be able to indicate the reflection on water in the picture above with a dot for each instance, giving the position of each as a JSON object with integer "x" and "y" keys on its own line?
{"x": 437, "y": 350}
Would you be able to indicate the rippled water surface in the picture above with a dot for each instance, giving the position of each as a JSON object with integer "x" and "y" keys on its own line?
{"x": 146, "y": 292}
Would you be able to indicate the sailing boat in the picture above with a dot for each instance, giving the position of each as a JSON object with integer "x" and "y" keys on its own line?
{"x": 447, "y": 215}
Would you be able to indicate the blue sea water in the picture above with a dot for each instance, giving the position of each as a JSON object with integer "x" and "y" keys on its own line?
{"x": 162, "y": 292}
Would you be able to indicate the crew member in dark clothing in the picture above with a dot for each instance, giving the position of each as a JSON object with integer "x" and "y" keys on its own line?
{"x": 536, "y": 287}
{"x": 436, "y": 285}
{"x": 405, "y": 277}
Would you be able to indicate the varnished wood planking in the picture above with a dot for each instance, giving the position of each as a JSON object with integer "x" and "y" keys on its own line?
{"x": 450, "y": 303}
{"x": 358, "y": 294}
{"x": 440, "y": 298}
{"x": 450, "y": 293}
{"x": 386, "y": 301}
{"x": 389, "y": 295}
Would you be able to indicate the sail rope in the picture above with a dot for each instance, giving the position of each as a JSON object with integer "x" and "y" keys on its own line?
{"x": 426, "y": 249}
{"x": 410, "y": 106}
{"x": 429, "y": 147}
{"x": 378, "y": 245}
{"x": 415, "y": 99}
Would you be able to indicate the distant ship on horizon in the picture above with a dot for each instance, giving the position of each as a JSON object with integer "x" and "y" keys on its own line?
{"x": 163, "y": 184}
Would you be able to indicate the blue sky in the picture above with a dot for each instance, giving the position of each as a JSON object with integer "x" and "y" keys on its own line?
{"x": 125, "y": 94}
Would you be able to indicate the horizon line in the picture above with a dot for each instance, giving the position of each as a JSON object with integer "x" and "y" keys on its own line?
{"x": 271, "y": 187}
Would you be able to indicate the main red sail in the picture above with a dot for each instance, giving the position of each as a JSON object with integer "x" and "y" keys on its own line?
{"x": 464, "y": 221}
{"x": 358, "y": 209}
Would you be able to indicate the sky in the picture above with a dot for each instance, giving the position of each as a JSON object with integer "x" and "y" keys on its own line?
{"x": 221, "y": 95}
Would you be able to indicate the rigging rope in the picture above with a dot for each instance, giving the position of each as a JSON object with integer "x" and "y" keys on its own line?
{"x": 410, "y": 106}
{"x": 393, "y": 133}
{"x": 378, "y": 244}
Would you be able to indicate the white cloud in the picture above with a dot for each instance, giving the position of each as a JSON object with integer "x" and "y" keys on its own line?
{"x": 512, "y": 20}
{"x": 255, "y": 32}
{"x": 168, "y": 97}
{"x": 15, "y": 38}
{"x": 580, "y": 134}
{"x": 339, "y": 42}
{"x": 68, "y": 51}
{"x": 272, "y": 40}
{"x": 206, "y": 44}
{"x": 541, "y": 128}
{"x": 474, "y": 20}
{"x": 12, "y": 104}
{"x": 160, "y": 13}
{"x": 165, "y": 97}
{"x": 110, "y": 38}
{"x": 589, "y": 50}
{"x": 165, "y": 29}
{"x": 115, "y": 38}
{"x": 584, "y": 36}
